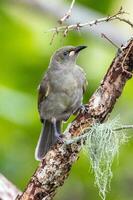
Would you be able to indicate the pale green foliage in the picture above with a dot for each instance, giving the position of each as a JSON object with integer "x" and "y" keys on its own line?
{"x": 102, "y": 145}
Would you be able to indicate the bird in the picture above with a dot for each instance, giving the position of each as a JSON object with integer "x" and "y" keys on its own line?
{"x": 60, "y": 95}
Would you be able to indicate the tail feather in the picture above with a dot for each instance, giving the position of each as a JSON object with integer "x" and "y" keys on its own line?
{"x": 47, "y": 139}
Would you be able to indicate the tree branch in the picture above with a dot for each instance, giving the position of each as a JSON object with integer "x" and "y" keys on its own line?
{"x": 56, "y": 165}
{"x": 65, "y": 29}
{"x": 124, "y": 127}
{"x": 80, "y": 14}
{"x": 125, "y": 20}
{"x": 7, "y": 190}
{"x": 109, "y": 40}
{"x": 68, "y": 14}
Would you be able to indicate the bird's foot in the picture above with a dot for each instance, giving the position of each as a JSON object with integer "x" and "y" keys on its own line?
{"x": 59, "y": 137}
{"x": 83, "y": 109}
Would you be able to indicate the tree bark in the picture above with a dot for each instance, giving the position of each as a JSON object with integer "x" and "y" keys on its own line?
{"x": 56, "y": 165}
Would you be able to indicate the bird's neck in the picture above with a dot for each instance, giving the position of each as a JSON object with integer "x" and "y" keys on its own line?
{"x": 63, "y": 65}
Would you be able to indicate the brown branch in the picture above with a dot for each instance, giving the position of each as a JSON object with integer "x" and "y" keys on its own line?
{"x": 56, "y": 165}
{"x": 68, "y": 14}
{"x": 7, "y": 190}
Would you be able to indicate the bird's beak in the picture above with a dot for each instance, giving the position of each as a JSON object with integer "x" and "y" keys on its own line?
{"x": 79, "y": 48}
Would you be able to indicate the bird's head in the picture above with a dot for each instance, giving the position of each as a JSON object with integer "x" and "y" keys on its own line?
{"x": 67, "y": 54}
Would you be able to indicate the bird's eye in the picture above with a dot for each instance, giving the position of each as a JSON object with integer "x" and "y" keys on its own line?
{"x": 65, "y": 53}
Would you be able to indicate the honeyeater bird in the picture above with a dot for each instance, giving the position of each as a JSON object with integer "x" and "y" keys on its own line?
{"x": 60, "y": 95}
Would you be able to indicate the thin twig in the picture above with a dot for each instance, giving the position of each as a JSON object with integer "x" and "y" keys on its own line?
{"x": 77, "y": 26}
{"x": 108, "y": 39}
{"x": 124, "y": 127}
{"x": 55, "y": 33}
{"x": 63, "y": 19}
{"x": 68, "y": 14}
{"x": 125, "y": 20}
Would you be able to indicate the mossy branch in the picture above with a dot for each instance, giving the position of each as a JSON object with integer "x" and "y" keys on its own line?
{"x": 56, "y": 165}
{"x": 84, "y": 136}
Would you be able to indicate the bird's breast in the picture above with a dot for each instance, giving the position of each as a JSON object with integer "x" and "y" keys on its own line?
{"x": 66, "y": 82}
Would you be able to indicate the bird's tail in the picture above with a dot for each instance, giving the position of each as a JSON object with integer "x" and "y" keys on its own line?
{"x": 47, "y": 139}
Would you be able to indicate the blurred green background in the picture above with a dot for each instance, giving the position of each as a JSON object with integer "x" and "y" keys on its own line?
{"x": 25, "y": 51}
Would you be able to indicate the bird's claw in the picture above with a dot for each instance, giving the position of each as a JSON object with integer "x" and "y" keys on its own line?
{"x": 59, "y": 137}
{"x": 83, "y": 109}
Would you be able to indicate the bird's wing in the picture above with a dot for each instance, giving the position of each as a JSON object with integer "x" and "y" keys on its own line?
{"x": 85, "y": 85}
{"x": 83, "y": 75}
{"x": 43, "y": 90}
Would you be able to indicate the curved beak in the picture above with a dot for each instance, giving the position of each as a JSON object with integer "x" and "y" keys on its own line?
{"x": 79, "y": 48}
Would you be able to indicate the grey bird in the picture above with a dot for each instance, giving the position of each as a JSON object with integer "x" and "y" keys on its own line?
{"x": 60, "y": 95}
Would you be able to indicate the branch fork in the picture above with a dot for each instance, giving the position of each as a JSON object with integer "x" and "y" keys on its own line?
{"x": 66, "y": 28}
